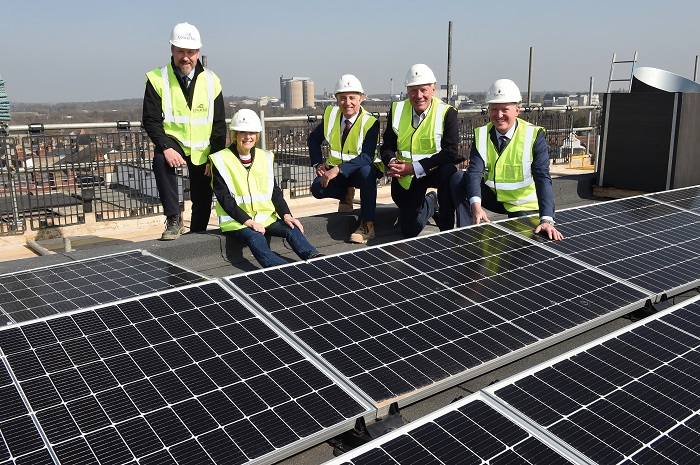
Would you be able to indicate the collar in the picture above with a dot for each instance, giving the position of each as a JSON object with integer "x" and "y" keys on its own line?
{"x": 179, "y": 74}
{"x": 425, "y": 113}
{"x": 351, "y": 119}
{"x": 510, "y": 132}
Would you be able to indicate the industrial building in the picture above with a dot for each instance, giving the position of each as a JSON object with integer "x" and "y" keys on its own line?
{"x": 297, "y": 92}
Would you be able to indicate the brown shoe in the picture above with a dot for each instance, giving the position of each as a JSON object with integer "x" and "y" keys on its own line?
{"x": 365, "y": 232}
{"x": 346, "y": 205}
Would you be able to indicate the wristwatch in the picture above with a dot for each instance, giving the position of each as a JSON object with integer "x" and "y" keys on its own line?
{"x": 545, "y": 221}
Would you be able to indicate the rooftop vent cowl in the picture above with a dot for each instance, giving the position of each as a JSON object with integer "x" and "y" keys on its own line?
{"x": 647, "y": 79}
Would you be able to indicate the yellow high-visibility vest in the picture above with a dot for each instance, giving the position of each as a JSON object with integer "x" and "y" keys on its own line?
{"x": 190, "y": 127}
{"x": 509, "y": 174}
{"x": 338, "y": 152}
{"x": 251, "y": 188}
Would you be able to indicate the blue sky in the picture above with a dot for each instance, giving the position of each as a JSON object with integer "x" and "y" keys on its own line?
{"x": 87, "y": 50}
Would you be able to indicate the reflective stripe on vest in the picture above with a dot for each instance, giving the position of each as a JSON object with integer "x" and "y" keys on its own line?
{"x": 337, "y": 152}
{"x": 408, "y": 137}
{"x": 193, "y": 133}
{"x": 258, "y": 205}
{"x": 517, "y": 191}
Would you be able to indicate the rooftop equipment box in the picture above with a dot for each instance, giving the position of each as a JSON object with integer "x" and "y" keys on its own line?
{"x": 651, "y": 136}
{"x": 650, "y": 141}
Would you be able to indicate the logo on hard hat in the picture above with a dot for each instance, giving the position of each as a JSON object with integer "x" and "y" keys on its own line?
{"x": 187, "y": 36}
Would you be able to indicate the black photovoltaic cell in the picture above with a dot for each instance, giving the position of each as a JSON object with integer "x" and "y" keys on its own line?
{"x": 649, "y": 244}
{"x": 28, "y": 295}
{"x": 187, "y": 376}
{"x": 20, "y": 441}
{"x": 405, "y": 316}
{"x": 633, "y": 398}
{"x": 470, "y": 432}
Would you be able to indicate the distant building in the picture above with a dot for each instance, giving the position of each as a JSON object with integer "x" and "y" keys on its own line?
{"x": 297, "y": 92}
{"x": 574, "y": 100}
{"x": 442, "y": 94}
{"x": 4, "y": 103}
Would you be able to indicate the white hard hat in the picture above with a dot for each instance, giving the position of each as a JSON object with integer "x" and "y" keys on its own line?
{"x": 185, "y": 35}
{"x": 246, "y": 120}
{"x": 503, "y": 91}
{"x": 348, "y": 83}
{"x": 420, "y": 74}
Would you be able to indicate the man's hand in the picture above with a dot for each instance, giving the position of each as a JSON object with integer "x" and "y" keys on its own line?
{"x": 293, "y": 222}
{"x": 478, "y": 214}
{"x": 399, "y": 169}
{"x": 173, "y": 158}
{"x": 321, "y": 169}
{"x": 328, "y": 175}
{"x": 550, "y": 231}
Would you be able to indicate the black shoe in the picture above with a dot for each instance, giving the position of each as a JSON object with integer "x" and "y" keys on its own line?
{"x": 433, "y": 197}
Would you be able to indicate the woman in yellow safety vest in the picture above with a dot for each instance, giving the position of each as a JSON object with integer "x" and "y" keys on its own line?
{"x": 250, "y": 205}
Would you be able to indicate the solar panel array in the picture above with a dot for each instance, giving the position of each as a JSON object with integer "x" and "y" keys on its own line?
{"x": 257, "y": 366}
{"x": 629, "y": 398}
{"x": 186, "y": 376}
{"x": 399, "y": 319}
{"x": 41, "y": 292}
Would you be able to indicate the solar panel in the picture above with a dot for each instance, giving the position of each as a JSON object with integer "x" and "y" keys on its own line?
{"x": 646, "y": 243}
{"x": 468, "y": 432}
{"x": 402, "y": 320}
{"x": 186, "y": 376}
{"x": 32, "y": 294}
{"x": 632, "y": 397}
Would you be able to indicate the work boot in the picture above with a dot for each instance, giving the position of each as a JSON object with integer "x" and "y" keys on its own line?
{"x": 432, "y": 195}
{"x": 173, "y": 228}
{"x": 346, "y": 205}
{"x": 365, "y": 232}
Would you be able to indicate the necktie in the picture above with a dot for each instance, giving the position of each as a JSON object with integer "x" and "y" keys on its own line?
{"x": 186, "y": 81}
{"x": 502, "y": 142}
{"x": 345, "y": 131}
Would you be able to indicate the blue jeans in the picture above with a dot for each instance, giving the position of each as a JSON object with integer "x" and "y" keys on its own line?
{"x": 261, "y": 250}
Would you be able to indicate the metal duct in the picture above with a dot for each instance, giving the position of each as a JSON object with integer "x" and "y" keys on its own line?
{"x": 647, "y": 79}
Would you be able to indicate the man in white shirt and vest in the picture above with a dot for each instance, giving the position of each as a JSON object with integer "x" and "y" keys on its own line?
{"x": 352, "y": 135}
{"x": 420, "y": 151}
{"x": 508, "y": 168}
{"x": 184, "y": 116}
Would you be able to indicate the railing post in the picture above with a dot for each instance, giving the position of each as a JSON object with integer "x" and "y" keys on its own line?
{"x": 263, "y": 139}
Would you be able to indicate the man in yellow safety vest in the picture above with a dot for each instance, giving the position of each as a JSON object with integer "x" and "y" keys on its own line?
{"x": 508, "y": 166}
{"x": 419, "y": 150}
{"x": 184, "y": 116}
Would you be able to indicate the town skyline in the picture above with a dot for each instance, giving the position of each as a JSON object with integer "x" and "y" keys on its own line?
{"x": 93, "y": 51}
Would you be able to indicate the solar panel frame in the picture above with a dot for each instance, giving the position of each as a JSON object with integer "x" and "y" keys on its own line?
{"x": 471, "y": 430}
{"x": 340, "y": 281}
{"x": 90, "y": 398}
{"x": 59, "y": 288}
